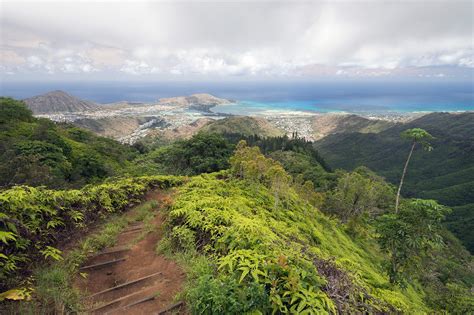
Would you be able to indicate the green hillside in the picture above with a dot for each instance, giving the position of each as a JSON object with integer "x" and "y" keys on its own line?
{"x": 244, "y": 125}
{"x": 257, "y": 225}
{"x": 256, "y": 243}
{"x": 39, "y": 152}
{"x": 445, "y": 174}
{"x": 324, "y": 125}
{"x": 252, "y": 240}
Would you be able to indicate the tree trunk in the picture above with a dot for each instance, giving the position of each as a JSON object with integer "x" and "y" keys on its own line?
{"x": 275, "y": 197}
{"x": 403, "y": 176}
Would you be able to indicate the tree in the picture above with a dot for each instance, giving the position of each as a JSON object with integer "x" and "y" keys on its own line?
{"x": 203, "y": 153}
{"x": 250, "y": 164}
{"x": 359, "y": 194}
{"x": 12, "y": 111}
{"x": 279, "y": 182}
{"x": 409, "y": 235}
{"x": 416, "y": 135}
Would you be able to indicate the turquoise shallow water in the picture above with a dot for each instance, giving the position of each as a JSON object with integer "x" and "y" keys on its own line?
{"x": 256, "y": 97}
{"x": 253, "y": 107}
{"x": 325, "y": 106}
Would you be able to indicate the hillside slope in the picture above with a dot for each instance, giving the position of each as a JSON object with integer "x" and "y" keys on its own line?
{"x": 250, "y": 238}
{"x": 201, "y": 102}
{"x": 445, "y": 174}
{"x": 117, "y": 127}
{"x": 37, "y": 152}
{"x": 57, "y": 102}
{"x": 267, "y": 248}
{"x": 244, "y": 125}
{"x": 324, "y": 125}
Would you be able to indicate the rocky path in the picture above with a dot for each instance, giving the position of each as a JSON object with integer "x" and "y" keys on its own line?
{"x": 130, "y": 278}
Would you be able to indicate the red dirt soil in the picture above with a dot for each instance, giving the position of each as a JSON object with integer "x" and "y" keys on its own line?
{"x": 152, "y": 295}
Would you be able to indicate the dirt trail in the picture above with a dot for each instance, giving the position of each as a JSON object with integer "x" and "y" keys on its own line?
{"x": 131, "y": 278}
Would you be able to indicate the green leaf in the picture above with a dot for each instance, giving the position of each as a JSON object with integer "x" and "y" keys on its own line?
{"x": 245, "y": 271}
{"x": 12, "y": 227}
{"x": 16, "y": 294}
{"x": 51, "y": 252}
{"x": 6, "y": 236}
{"x": 54, "y": 223}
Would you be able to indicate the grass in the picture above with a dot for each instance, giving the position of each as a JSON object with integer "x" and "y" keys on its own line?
{"x": 194, "y": 264}
{"x": 145, "y": 214}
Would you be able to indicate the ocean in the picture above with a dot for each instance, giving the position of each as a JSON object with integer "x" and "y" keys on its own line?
{"x": 312, "y": 96}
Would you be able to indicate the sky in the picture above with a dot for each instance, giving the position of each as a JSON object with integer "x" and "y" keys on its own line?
{"x": 233, "y": 40}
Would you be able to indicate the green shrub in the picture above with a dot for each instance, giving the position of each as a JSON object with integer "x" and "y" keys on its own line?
{"x": 224, "y": 295}
{"x": 33, "y": 219}
{"x": 253, "y": 224}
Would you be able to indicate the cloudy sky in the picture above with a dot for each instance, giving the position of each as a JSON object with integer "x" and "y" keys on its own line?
{"x": 238, "y": 39}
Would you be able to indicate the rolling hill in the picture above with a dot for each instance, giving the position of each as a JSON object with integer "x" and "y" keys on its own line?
{"x": 445, "y": 174}
{"x": 327, "y": 124}
{"x": 244, "y": 125}
{"x": 57, "y": 102}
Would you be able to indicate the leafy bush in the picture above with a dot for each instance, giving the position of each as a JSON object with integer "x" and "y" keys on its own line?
{"x": 305, "y": 150}
{"x": 224, "y": 295}
{"x": 33, "y": 219}
{"x": 359, "y": 194}
{"x": 203, "y": 153}
{"x": 13, "y": 111}
{"x": 409, "y": 235}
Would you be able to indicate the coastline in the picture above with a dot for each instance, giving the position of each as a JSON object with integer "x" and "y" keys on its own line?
{"x": 260, "y": 109}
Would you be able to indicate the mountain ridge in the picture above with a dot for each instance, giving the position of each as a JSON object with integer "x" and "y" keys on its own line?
{"x": 327, "y": 124}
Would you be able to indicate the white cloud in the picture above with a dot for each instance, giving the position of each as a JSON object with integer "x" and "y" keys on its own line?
{"x": 34, "y": 61}
{"x": 236, "y": 38}
{"x": 136, "y": 67}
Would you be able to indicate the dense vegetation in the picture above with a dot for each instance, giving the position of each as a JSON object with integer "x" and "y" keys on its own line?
{"x": 203, "y": 153}
{"x": 39, "y": 152}
{"x": 210, "y": 152}
{"x": 263, "y": 225}
{"x": 259, "y": 244}
{"x": 297, "y": 155}
{"x": 33, "y": 220}
{"x": 446, "y": 174}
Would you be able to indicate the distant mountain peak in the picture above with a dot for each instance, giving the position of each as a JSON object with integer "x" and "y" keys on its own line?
{"x": 201, "y": 101}
{"x": 59, "y": 92}
{"x": 58, "y": 101}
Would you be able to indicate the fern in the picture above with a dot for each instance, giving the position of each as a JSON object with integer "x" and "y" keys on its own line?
{"x": 7, "y": 236}
{"x": 33, "y": 217}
